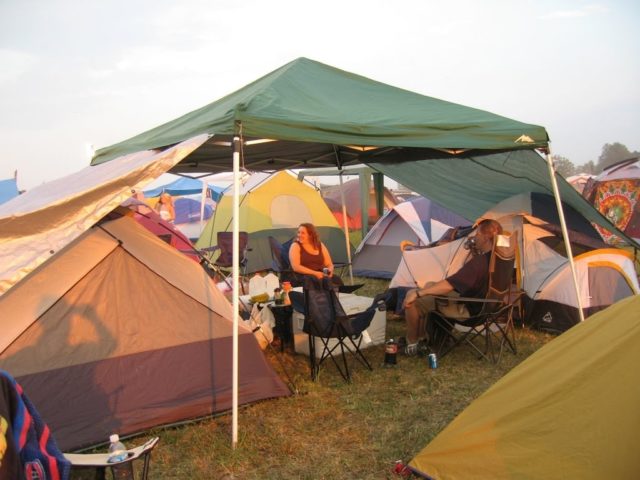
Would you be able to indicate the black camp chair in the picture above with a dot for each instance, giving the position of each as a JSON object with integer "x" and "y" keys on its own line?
{"x": 338, "y": 334}
{"x": 494, "y": 322}
{"x": 280, "y": 262}
{"x": 222, "y": 265}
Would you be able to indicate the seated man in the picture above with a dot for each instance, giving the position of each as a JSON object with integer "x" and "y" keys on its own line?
{"x": 470, "y": 281}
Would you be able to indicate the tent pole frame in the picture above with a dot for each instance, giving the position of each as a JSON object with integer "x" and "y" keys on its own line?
{"x": 345, "y": 227}
{"x": 565, "y": 234}
{"x": 235, "y": 288}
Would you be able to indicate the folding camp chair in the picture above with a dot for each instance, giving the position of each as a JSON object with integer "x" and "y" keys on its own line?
{"x": 222, "y": 265}
{"x": 33, "y": 452}
{"x": 100, "y": 462}
{"x": 494, "y": 322}
{"x": 337, "y": 333}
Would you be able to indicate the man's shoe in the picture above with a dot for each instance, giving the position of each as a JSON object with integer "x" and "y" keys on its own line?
{"x": 411, "y": 350}
{"x": 423, "y": 348}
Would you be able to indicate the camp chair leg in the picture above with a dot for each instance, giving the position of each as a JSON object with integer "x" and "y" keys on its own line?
{"x": 357, "y": 353}
{"x": 507, "y": 336}
{"x": 329, "y": 353}
{"x": 450, "y": 339}
{"x": 313, "y": 362}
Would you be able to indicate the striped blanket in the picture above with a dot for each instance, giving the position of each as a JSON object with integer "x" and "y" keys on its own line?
{"x": 30, "y": 451}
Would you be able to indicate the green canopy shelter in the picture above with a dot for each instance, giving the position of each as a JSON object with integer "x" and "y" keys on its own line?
{"x": 307, "y": 114}
{"x": 322, "y": 116}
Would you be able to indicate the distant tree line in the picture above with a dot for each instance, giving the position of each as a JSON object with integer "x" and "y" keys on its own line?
{"x": 611, "y": 153}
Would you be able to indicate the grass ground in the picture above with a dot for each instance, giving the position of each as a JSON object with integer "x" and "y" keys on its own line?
{"x": 331, "y": 429}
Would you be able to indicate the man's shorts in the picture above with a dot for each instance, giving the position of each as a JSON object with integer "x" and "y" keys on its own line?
{"x": 449, "y": 308}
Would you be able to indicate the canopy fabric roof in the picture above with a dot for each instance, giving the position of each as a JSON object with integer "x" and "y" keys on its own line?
{"x": 312, "y": 107}
{"x": 37, "y": 224}
{"x": 307, "y": 115}
{"x": 471, "y": 185}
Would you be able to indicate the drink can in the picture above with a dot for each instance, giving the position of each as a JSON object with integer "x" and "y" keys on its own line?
{"x": 325, "y": 271}
{"x": 433, "y": 360}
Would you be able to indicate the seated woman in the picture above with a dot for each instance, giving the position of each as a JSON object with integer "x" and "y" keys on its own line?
{"x": 309, "y": 256}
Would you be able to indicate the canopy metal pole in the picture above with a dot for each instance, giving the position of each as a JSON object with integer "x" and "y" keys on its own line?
{"x": 346, "y": 228}
{"x": 235, "y": 285}
{"x": 203, "y": 197}
{"x": 365, "y": 192}
{"x": 565, "y": 234}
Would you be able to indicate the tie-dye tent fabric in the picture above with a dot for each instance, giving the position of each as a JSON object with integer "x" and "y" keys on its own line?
{"x": 616, "y": 194}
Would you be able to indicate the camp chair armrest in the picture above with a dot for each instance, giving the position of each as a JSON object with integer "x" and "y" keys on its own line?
{"x": 468, "y": 299}
{"x": 515, "y": 296}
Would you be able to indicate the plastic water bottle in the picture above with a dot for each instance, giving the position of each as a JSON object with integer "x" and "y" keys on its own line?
{"x": 118, "y": 453}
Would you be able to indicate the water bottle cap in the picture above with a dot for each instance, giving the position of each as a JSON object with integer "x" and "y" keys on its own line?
{"x": 114, "y": 438}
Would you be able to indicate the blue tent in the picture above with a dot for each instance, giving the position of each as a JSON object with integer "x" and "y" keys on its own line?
{"x": 188, "y": 210}
{"x": 8, "y": 189}
{"x": 185, "y": 186}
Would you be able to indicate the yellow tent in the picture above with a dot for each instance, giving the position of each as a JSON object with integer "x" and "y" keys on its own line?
{"x": 569, "y": 411}
{"x": 274, "y": 205}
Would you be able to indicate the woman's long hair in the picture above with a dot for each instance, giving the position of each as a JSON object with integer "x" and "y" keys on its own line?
{"x": 169, "y": 204}
{"x": 313, "y": 234}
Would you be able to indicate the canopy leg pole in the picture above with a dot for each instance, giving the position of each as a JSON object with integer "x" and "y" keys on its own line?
{"x": 235, "y": 295}
{"x": 565, "y": 234}
{"x": 346, "y": 228}
{"x": 203, "y": 197}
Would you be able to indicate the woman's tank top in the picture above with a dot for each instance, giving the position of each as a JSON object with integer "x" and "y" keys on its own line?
{"x": 309, "y": 260}
{"x": 165, "y": 214}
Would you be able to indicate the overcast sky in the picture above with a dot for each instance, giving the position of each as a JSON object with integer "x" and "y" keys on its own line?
{"x": 77, "y": 73}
